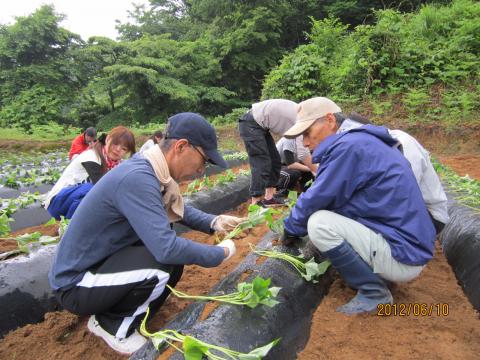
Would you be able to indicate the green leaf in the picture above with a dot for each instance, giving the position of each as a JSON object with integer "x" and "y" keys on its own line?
{"x": 269, "y": 302}
{"x": 4, "y": 224}
{"x": 46, "y": 239}
{"x": 260, "y": 286}
{"x": 194, "y": 350}
{"x": 52, "y": 221}
{"x": 259, "y": 352}
{"x": 25, "y": 239}
{"x": 277, "y": 226}
{"x": 323, "y": 266}
{"x": 314, "y": 270}
{"x": 274, "y": 290}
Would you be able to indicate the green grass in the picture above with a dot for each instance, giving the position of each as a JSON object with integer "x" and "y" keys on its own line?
{"x": 465, "y": 189}
{"x": 49, "y": 132}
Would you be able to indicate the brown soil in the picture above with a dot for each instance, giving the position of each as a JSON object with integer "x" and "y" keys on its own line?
{"x": 8, "y": 244}
{"x": 455, "y": 336}
{"x": 441, "y": 142}
{"x": 37, "y": 145}
{"x": 468, "y": 164}
{"x": 65, "y": 336}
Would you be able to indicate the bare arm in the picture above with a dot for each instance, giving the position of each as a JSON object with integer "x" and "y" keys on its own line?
{"x": 307, "y": 161}
{"x": 299, "y": 166}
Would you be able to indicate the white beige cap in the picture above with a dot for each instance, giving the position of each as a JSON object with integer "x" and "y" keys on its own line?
{"x": 309, "y": 111}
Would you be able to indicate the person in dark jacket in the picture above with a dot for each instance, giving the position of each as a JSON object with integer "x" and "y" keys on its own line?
{"x": 297, "y": 167}
{"x": 364, "y": 211}
{"x": 119, "y": 251}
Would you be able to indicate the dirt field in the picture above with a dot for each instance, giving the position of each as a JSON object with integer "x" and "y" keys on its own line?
{"x": 468, "y": 164}
{"x": 437, "y": 336}
{"x": 333, "y": 335}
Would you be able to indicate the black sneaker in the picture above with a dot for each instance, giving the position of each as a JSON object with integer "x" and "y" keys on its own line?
{"x": 273, "y": 202}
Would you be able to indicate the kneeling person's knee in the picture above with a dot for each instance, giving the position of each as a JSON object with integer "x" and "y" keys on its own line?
{"x": 320, "y": 233}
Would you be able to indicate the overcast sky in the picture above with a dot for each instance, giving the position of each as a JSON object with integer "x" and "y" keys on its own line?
{"x": 84, "y": 17}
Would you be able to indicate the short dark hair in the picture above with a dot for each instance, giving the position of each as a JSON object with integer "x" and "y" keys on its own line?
{"x": 339, "y": 118}
{"x": 157, "y": 134}
{"x": 358, "y": 118}
{"x": 90, "y": 131}
{"x": 166, "y": 144}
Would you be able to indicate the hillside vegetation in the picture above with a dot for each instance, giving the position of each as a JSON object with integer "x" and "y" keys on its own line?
{"x": 413, "y": 59}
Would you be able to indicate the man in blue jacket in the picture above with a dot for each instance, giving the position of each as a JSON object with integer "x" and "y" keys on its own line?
{"x": 364, "y": 211}
{"x": 119, "y": 251}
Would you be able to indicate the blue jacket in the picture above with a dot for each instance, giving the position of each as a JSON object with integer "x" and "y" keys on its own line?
{"x": 126, "y": 206}
{"x": 361, "y": 176}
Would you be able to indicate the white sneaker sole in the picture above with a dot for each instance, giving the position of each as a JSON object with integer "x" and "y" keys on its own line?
{"x": 114, "y": 343}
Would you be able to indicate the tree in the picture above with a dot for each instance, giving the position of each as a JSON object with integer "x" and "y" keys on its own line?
{"x": 35, "y": 61}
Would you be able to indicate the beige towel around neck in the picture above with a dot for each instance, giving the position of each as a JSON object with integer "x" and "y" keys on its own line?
{"x": 172, "y": 198}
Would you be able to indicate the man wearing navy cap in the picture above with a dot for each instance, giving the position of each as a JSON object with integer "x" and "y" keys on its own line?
{"x": 119, "y": 251}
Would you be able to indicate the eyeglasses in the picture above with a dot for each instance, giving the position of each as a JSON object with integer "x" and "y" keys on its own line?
{"x": 205, "y": 159}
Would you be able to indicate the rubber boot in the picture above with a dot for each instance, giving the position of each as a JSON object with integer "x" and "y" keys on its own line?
{"x": 372, "y": 290}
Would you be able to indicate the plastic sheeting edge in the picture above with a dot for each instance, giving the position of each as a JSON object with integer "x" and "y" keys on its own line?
{"x": 460, "y": 241}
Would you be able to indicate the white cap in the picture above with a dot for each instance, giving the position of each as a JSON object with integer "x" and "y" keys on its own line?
{"x": 308, "y": 112}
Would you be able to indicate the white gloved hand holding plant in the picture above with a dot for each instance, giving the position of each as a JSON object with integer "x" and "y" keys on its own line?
{"x": 226, "y": 223}
{"x": 230, "y": 246}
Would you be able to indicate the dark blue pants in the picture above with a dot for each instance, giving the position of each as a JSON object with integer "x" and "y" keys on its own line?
{"x": 67, "y": 200}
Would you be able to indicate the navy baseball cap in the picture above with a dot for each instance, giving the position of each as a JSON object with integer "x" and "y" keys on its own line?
{"x": 198, "y": 132}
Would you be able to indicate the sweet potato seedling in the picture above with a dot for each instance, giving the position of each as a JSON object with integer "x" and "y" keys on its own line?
{"x": 256, "y": 215}
{"x": 308, "y": 269}
{"x": 249, "y": 294}
{"x": 195, "y": 349}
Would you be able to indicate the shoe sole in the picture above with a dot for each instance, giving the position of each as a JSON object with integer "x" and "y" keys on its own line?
{"x": 96, "y": 330}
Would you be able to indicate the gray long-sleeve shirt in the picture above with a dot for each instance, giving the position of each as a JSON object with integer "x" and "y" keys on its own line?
{"x": 126, "y": 206}
{"x": 276, "y": 115}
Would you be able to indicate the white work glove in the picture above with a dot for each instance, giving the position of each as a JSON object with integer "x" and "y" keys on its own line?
{"x": 230, "y": 245}
{"x": 226, "y": 223}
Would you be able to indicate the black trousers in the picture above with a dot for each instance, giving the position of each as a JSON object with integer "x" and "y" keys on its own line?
{"x": 264, "y": 159}
{"x": 119, "y": 290}
{"x": 289, "y": 179}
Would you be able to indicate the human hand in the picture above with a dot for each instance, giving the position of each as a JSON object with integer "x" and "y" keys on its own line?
{"x": 229, "y": 248}
{"x": 226, "y": 223}
{"x": 288, "y": 239}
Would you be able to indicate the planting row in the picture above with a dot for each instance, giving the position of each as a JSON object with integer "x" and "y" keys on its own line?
{"x": 31, "y": 177}
{"x": 27, "y": 208}
{"x": 465, "y": 189}
{"x": 13, "y": 160}
{"x": 20, "y": 177}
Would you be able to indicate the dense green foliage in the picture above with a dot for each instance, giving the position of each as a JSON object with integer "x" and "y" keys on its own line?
{"x": 212, "y": 56}
{"x": 37, "y": 73}
{"x": 411, "y": 56}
